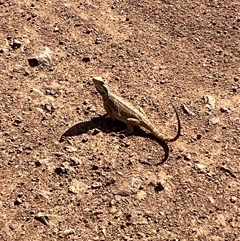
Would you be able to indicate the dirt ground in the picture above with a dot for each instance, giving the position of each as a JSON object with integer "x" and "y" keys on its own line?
{"x": 97, "y": 183}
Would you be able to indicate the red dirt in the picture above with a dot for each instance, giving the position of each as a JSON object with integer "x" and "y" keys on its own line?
{"x": 99, "y": 184}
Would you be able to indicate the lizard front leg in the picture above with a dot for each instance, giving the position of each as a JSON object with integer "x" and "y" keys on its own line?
{"x": 108, "y": 110}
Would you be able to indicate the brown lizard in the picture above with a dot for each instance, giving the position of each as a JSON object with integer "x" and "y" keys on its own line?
{"x": 122, "y": 110}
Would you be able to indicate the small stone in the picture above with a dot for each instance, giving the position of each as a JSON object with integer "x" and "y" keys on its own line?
{"x": 187, "y": 110}
{"x": 70, "y": 149}
{"x": 209, "y": 102}
{"x": 66, "y": 232}
{"x": 97, "y": 212}
{"x": 84, "y": 139}
{"x": 233, "y": 199}
{"x": 44, "y": 56}
{"x": 18, "y": 201}
{"x": 56, "y": 29}
{"x": 38, "y": 163}
{"x": 74, "y": 161}
{"x": 158, "y": 187}
{"x": 18, "y": 121}
{"x": 95, "y": 131}
{"x": 16, "y": 44}
{"x": 58, "y": 154}
{"x": 61, "y": 170}
{"x": 236, "y": 78}
{"x": 187, "y": 157}
{"x": 13, "y": 226}
{"x": 86, "y": 59}
{"x": 225, "y": 109}
{"x": 235, "y": 89}
{"x": 141, "y": 195}
{"x": 96, "y": 185}
{"x": 50, "y": 108}
{"x": 213, "y": 120}
{"x": 97, "y": 41}
{"x": 74, "y": 187}
{"x": 162, "y": 82}
{"x": 126, "y": 144}
{"x": 200, "y": 166}
{"x": 43, "y": 218}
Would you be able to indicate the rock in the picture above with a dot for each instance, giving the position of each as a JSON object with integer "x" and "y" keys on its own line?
{"x": 187, "y": 157}
{"x": 187, "y": 110}
{"x": 209, "y": 102}
{"x": 56, "y": 29}
{"x": 66, "y": 232}
{"x": 43, "y": 218}
{"x": 236, "y": 78}
{"x": 74, "y": 187}
{"x": 225, "y": 110}
{"x": 95, "y": 131}
{"x": 74, "y": 161}
{"x": 70, "y": 149}
{"x": 16, "y": 44}
{"x": 18, "y": 121}
{"x": 86, "y": 59}
{"x": 141, "y": 195}
{"x": 18, "y": 201}
{"x": 200, "y": 167}
{"x": 50, "y": 108}
{"x": 61, "y": 170}
{"x": 96, "y": 185}
{"x": 44, "y": 56}
{"x": 233, "y": 199}
{"x": 213, "y": 120}
{"x": 158, "y": 187}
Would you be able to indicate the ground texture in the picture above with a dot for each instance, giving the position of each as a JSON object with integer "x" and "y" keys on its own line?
{"x": 96, "y": 183}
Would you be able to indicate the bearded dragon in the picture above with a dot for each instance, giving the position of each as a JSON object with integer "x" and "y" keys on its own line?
{"x": 122, "y": 110}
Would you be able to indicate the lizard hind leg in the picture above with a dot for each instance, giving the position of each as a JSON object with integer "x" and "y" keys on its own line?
{"x": 131, "y": 122}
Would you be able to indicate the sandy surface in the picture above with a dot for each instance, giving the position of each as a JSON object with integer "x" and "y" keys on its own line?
{"x": 98, "y": 184}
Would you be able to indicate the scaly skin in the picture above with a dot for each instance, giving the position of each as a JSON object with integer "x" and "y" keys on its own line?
{"x": 122, "y": 110}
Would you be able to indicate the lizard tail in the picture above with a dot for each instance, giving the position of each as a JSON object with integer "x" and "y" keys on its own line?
{"x": 157, "y": 134}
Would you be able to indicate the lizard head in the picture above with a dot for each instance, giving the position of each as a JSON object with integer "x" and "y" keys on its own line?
{"x": 100, "y": 85}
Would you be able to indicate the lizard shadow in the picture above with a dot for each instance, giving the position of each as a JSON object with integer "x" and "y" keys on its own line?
{"x": 106, "y": 125}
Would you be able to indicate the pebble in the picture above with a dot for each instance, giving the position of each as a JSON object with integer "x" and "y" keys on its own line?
{"x": 97, "y": 41}
{"x": 68, "y": 231}
{"x": 74, "y": 187}
{"x": 49, "y": 108}
{"x": 187, "y": 157}
{"x": 200, "y": 166}
{"x": 209, "y": 102}
{"x": 44, "y": 56}
{"x": 213, "y": 120}
{"x": 225, "y": 109}
{"x": 74, "y": 161}
{"x": 96, "y": 185}
{"x": 86, "y": 59}
{"x": 95, "y": 131}
{"x": 61, "y": 170}
{"x": 18, "y": 201}
{"x": 43, "y": 218}
{"x": 233, "y": 199}
{"x": 70, "y": 149}
{"x": 16, "y": 44}
{"x": 56, "y": 29}
{"x": 187, "y": 110}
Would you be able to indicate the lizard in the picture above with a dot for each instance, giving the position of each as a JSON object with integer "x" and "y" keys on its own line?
{"x": 122, "y": 110}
